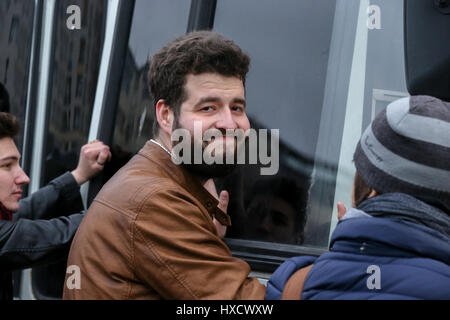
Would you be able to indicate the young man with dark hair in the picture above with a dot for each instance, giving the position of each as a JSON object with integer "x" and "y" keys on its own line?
{"x": 154, "y": 230}
{"x": 395, "y": 242}
{"x": 38, "y": 229}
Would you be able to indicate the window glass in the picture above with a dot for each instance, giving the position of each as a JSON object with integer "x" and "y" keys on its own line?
{"x": 75, "y": 64}
{"x": 16, "y": 31}
{"x": 150, "y": 30}
{"x": 385, "y": 66}
{"x": 377, "y": 77}
{"x": 318, "y": 74}
{"x": 285, "y": 89}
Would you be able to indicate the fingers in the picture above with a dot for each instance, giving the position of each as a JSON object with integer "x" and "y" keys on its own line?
{"x": 96, "y": 152}
{"x": 342, "y": 210}
{"x": 211, "y": 187}
{"x": 221, "y": 229}
{"x": 224, "y": 198}
{"x": 93, "y": 149}
{"x": 101, "y": 159}
{"x": 93, "y": 157}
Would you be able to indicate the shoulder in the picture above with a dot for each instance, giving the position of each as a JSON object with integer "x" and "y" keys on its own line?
{"x": 391, "y": 237}
{"x": 134, "y": 184}
{"x": 135, "y": 191}
{"x": 172, "y": 204}
{"x": 5, "y": 230}
{"x": 280, "y": 277}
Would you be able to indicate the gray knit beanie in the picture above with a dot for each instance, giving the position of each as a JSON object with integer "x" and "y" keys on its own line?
{"x": 407, "y": 149}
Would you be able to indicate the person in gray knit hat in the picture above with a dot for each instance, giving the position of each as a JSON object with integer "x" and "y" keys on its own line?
{"x": 407, "y": 149}
{"x": 395, "y": 241}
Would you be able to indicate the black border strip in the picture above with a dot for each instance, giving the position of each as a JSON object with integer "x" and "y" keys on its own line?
{"x": 113, "y": 84}
{"x": 201, "y": 15}
{"x": 267, "y": 256}
{"x": 32, "y": 97}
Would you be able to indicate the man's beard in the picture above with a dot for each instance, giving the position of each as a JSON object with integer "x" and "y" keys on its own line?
{"x": 207, "y": 171}
{"x": 204, "y": 170}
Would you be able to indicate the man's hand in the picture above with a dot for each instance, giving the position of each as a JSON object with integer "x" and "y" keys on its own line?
{"x": 223, "y": 204}
{"x": 93, "y": 157}
{"x": 342, "y": 210}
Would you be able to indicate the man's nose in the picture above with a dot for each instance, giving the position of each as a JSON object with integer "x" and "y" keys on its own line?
{"x": 226, "y": 120}
{"x": 22, "y": 177}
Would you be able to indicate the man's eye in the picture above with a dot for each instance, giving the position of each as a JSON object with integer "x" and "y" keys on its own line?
{"x": 238, "y": 109}
{"x": 207, "y": 108}
{"x": 6, "y": 165}
{"x": 279, "y": 218}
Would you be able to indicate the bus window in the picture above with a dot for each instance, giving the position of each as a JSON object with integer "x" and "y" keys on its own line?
{"x": 16, "y": 31}
{"x": 290, "y": 50}
{"x": 377, "y": 77}
{"x": 75, "y": 64}
{"x": 133, "y": 123}
{"x": 319, "y": 74}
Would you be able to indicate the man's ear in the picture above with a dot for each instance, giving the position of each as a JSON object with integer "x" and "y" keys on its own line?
{"x": 372, "y": 194}
{"x": 164, "y": 116}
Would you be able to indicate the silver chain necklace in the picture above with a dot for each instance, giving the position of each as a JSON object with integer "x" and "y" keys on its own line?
{"x": 159, "y": 144}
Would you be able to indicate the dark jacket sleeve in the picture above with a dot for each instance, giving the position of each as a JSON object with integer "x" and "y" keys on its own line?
{"x": 61, "y": 197}
{"x": 27, "y": 243}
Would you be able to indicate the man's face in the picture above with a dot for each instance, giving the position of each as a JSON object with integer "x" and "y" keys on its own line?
{"x": 12, "y": 177}
{"x": 216, "y": 102}
{"x": 273, "y": 219}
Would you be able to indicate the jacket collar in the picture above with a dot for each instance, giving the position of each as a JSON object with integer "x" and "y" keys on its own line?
{"x": 393, "y": 234}
{"x": 406, "y": 207}
{"x": 185, "y": 179}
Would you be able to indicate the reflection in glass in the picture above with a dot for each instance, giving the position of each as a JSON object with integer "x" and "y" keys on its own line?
{"x": 75, "y": 64}
{"x": 275, "y": 210}
{"x": 16, "y": 30}
{"x": 73, "y": 83}
{"x": 385, "y": 67}
{"x": 149, "y": 32}
{"x": 285, "y": 89}
{"x": 366, "y": 70}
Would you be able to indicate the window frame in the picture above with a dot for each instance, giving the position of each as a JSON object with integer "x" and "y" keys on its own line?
{"x": 267, "y": 256}
{"x": 201, "y": 15}
{"x": 111, "y": 93}
{"x": 38, "y": 117}
{"x": 32, "y": 95}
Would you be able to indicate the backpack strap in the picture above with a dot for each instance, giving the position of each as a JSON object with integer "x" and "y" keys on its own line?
{"x": 294, "y": 287}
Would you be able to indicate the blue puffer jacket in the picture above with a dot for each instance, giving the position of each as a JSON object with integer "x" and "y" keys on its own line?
{"x": 382, "y": 257}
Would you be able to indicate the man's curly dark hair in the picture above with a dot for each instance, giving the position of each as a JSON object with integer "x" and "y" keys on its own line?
{"x": 9, "y": 126}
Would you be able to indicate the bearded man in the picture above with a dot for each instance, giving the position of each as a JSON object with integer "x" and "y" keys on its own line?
{"x": 154, "y": 230}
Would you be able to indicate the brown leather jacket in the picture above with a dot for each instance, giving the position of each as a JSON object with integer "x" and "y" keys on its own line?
{"x": 149, "y": 234}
